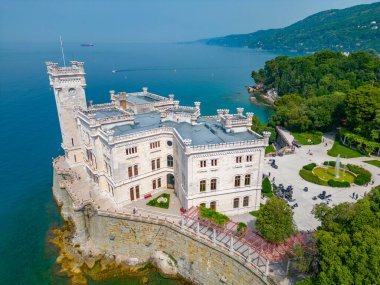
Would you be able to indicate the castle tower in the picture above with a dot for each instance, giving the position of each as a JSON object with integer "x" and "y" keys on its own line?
{"x": 68, "y": 84}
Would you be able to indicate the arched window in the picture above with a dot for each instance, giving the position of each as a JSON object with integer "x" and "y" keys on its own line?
{"x": 236, "y": 202}
{"x": 247, "y": 179}
{"x": 213, "y": 205}
{"x": 213, "y": 184}
{"x": 170, "y": 161}
{"x": 246, "y": 201}
{"x": 202, "y": 185}
{"x": 237, "y": 181}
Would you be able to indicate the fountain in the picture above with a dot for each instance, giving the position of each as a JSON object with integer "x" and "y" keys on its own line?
{"x": 337, "y": 166}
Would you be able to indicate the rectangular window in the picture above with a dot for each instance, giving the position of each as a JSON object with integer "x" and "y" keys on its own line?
{"x": 214, "y": 162}
{"x": 236, "y": 203}
{"x": 202, "y": 186}
{"x": 237, "y": 181}
{"x": 154, "y": 185}
{"x": 131, "y": 194}
{"x": 238, "y": 159}
{"x": 136, "y": 169}
{"x": 158, "y": 163}
{"x": 131, "y": 150}
{"x": 137, "y": 189}
{"x": 159, "y": 183}
{"x": 213, "y": 184}
{"x": 249, "y": 158}
{"x": 153, "y": 165}
{"x": 246, "y": 201}
{"x": 203, "y": 163}
{"x": 130, "y": 173}
{"x": 154, "y": 144}
{"x": 247, "y": 180}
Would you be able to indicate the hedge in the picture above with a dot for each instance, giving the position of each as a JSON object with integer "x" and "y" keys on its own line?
{"x": 363, "y": 175}
{"x": 311, "y": 177}
{"x": 310, "y": 166}
{"x": 330, "y": 163}
{"x": 334, "y": 183}
{"x": 266, "y": 185}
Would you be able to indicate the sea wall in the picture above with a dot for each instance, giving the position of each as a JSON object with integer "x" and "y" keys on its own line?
{"x": 144, "y": 240}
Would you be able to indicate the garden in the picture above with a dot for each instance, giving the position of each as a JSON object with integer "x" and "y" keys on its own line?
{"x": 210, "y": 214}
{"x": 308, "y": 138}
{"x": 161, "y": 201}
{"x": 328, "y": 175}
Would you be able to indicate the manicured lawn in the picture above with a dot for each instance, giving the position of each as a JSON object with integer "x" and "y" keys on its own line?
{"x": 308, "y": 138}
{"x": 373, "y": 162}
{"x": 327, "y": 173}
{"x": 270, "y": 149}
{"x": 346, "y": 152}
{"x": 161, "y": 201}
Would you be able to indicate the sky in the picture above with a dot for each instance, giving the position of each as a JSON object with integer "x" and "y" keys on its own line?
{"x": 149, "y": 20}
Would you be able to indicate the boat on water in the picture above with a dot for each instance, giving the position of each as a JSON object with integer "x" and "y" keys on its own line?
{"x": 87, "y": 45}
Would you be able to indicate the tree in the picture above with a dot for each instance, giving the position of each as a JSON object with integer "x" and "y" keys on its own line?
{"x": 362, "y": 107}
{"x": 275, "y": 221}
{"x": 348, "y": 242}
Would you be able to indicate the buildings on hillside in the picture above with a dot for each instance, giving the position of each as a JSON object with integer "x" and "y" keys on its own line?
{"x": 141, "y": 143}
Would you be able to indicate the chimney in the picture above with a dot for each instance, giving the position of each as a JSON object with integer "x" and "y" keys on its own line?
{"x": 145, "y": 90}
{"x": 123, "y": 100}
{"x": 90, "y": 104}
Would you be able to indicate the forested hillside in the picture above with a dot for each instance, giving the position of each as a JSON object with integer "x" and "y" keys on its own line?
{"x": 352, "y": 29}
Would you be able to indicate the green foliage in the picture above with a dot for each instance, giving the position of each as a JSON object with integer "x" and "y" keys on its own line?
{"x": 373, "y": 162}
{"x": 363, "y": 175}
{"x": 331, "y": 163}
{"x": 275, "y": 220}
{"x": 362, "y": 107}
{"x": 344, "y": 151}
{"x": 267, "y": 186}
{"x": 306, "y": 114}
{"x": 334, "y": 183}
{"x": 346, "y": 29}
{"x": 309, "y": 166}
{"x": 154, "y": 202}
{"x": 270, "y": 149}
{"x": 218, "y": 218}
{"x": 319, "y": 74}
{"x": 358, "y": 142}
{"x": 311, "y": 177}
{"x": 259, "y": 128}
{"x": 241, "y": 227}
{"x": 348, "y": 242}
{"x": 308, "y": 138}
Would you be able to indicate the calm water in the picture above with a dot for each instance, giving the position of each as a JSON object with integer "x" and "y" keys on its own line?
{"x": 30, "y": 134}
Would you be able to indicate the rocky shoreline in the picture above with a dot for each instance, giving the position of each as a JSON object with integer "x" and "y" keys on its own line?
{"x": 80, "y": 265}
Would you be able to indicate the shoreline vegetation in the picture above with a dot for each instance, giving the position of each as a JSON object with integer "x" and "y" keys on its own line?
{"x": 324, "y": 92}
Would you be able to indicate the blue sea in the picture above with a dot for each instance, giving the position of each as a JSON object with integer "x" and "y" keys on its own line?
{"x": 30, "y": 135}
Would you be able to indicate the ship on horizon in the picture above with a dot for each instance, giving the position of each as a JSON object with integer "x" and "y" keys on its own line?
{"x": 87, "y": 45}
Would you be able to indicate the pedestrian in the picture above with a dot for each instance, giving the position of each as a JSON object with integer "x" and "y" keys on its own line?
{"x": 357, "y": 196}
{"x": 353, "y": 195}
{"x": 269, "y": 174}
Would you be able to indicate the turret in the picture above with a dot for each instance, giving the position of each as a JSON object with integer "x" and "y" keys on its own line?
{"x": 68, "y": 84}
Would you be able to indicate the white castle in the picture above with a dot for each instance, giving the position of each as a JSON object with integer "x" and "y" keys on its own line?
{"x": 142, "y": 143}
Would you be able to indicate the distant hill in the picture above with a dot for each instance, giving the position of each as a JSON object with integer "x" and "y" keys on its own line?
{"x": 350, "y": 29}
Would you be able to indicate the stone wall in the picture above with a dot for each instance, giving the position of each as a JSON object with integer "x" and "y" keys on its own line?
{"x": 196, "y": 261}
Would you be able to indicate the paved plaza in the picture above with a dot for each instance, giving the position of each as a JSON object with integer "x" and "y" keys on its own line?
{"x": 287, "y": 174}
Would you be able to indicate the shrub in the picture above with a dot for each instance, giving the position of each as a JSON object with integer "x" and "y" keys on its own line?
{"x": 330, "y": 163}
{"x": 362, "y": 180}
{"x": 241, "y": 227}
{"x": 334, "y": 183}
{"x": 311, "y": 177}
{"x": 267, "y": 186}
{"x": 310, "y": 166}
{"x": 218, "y": 218}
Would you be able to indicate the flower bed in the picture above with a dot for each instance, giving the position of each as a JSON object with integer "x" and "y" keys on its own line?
{"x": 161, "y": 201}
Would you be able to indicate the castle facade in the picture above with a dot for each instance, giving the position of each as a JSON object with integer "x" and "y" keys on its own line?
{"x": 141, "y": 143}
